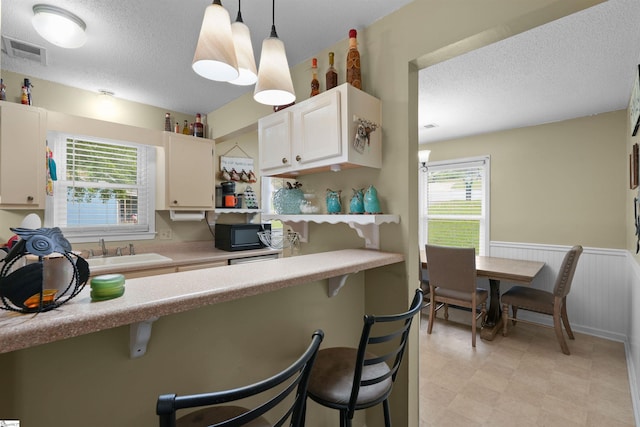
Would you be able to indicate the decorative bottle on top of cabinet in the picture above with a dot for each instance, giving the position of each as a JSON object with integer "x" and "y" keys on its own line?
{"x": 315, "y": 84}
{"x": 353, "y": 61}
{"x": 332, "y": 75}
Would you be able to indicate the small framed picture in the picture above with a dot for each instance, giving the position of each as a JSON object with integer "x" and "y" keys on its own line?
{"x": 634, "y": 105}
{"x": 633, "y": 167}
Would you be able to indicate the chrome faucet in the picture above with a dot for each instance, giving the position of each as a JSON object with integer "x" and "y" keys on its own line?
{"x": 105, "y": 251}
{"x": 132, "y": 251}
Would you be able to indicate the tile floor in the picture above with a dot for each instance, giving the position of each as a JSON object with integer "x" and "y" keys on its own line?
{"x": 519, "y": 380}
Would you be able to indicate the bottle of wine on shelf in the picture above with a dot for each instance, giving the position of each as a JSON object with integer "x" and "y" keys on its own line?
{"x": 315, "y": 84}
{"x": 185, "y": 128}
{"x": 167, "y": 122}
{"x": 353, "y": 61}
{"x": 198, "y": 128}
{"x": 332, "y": 75}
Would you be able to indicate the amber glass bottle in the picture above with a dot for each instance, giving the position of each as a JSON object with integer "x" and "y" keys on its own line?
{"x": 332, "y": 75}
{"x": 315, "y": 84}
{"x": 353, "y": 61}
{"x": 185, "y": 128}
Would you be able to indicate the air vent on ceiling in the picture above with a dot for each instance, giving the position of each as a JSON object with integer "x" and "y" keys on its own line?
{"x": 19, "y": 49}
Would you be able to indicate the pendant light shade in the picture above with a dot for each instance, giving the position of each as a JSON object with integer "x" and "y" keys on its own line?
{"x": 274, "y": 86}
{"x": 215, "y": 56}
{"x": 244, "y": 52}
{"x": 58, "y": 26}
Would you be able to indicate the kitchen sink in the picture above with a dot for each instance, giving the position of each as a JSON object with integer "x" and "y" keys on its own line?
{"x": 127, "y": 260}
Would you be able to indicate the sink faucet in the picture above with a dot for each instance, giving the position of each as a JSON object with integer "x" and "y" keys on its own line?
{"x": 105, "y": 251}
{"x": 132, "y": 251}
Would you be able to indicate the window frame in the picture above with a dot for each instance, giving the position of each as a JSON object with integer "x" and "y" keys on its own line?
{"x": 58, "y": 142}
{"x": 485, "y": 217}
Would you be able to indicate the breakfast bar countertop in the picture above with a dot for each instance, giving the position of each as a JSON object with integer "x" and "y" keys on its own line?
{"x": 147, "y": 298}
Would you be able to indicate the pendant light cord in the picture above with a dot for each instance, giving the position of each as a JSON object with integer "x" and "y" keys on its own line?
{"x": 273, "y": 20}
{"x": 239, "y": 17}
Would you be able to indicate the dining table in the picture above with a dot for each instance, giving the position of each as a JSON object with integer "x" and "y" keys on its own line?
{"x": 517, "y": 271}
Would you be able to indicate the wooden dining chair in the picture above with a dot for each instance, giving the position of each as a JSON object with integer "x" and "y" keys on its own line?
{"x": 452, "y": 280}
{"x": 286, "y": 391}
{"x": 349, "y": 379}
{"x": 545, "y": 302}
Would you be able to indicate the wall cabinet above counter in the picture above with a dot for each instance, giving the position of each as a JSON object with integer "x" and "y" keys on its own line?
{"x": 22, "y": 156}
{"x": 338, "y": 129}
{"x": 185, "y": 173}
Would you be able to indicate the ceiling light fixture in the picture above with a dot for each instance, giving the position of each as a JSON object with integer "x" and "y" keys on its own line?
{"x": 244, "y": 52}
{"x": 215, "y": 56}
{"x": 58, "y": 26}
{"x": 274, "y": 86}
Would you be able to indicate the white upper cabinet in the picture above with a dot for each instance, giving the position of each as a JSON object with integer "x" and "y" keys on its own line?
{"x": 322, "y": 133}
{"x": 22, "y": 156}
{"x": 185, "y": 173}
{"x": 274, "y": 134}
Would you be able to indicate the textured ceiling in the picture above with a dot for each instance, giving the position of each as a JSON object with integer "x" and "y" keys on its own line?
{"x": 142, "y": 50}
{"x": 577, "y": 66}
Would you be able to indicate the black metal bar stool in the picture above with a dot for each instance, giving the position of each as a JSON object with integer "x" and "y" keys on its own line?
{"x": 292, "y": 380}
{"x": 350, "y": 379}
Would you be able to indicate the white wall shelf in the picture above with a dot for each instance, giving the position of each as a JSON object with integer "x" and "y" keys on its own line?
{"x": 367, "y": 226}
{"x": 251, "y": 213}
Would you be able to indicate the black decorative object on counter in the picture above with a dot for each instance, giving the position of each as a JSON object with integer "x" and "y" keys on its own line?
{"x": 23, "y": 289}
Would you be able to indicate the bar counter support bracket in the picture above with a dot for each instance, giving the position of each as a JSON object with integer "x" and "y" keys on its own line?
{"x": 336, "y": 283}
{"x": 139, "y": 335}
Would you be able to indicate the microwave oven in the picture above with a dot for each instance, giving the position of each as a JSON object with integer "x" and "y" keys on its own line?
{"x": 239, "y": 237}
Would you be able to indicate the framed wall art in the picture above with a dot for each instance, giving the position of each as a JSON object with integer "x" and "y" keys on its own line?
{"x": 633, "y": 167}
{"x": 634, "y": 104}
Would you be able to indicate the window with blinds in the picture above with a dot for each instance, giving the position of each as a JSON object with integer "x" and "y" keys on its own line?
{"x": 104, "y": 189}
{"x": 454, "y": 205}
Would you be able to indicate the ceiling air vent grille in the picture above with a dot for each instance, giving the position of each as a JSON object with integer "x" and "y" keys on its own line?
{"x": 19, "y": 49}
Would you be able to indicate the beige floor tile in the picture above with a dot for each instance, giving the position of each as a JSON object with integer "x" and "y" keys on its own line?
{"x": 522, "y": 379}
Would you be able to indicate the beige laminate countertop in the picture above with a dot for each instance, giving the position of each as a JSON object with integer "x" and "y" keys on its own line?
{"x": 147, "y": 298}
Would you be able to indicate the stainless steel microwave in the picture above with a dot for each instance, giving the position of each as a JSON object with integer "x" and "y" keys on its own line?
{"x": 239, "y": 237}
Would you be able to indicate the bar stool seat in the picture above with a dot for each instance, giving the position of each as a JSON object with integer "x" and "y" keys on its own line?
{"x": 332, "y": 380}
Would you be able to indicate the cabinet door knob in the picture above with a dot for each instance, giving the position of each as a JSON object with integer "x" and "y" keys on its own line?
{"x": 30, "y": 198}
{"x": 284, "y": 160}
{"x": 298, "y": 158}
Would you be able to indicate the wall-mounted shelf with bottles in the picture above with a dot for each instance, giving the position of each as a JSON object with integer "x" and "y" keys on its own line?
{"x": 367, "y": 226}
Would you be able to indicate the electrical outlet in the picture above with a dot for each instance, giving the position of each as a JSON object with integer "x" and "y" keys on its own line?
{"x": 164, "y": 234}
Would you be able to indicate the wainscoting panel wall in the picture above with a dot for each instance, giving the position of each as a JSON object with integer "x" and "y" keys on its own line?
{"x": 599, "y": 303}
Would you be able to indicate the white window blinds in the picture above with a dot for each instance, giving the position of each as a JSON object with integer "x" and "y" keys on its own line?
{"x": 454, "y": 204}
{"x": 104, "y": 188}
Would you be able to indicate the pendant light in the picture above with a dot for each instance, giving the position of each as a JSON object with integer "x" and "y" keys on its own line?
{"x": 215, "y": 56}
{"x": 244, "y": 52}
{"x": 58, "y": 26}
{"x": 274, "y": 86}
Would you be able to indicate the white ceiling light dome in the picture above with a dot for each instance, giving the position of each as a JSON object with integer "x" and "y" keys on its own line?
{"x": 58, "y": 26}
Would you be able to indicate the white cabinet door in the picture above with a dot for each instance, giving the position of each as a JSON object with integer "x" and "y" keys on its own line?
{"x": 189, "y": 172}
{"x": 319, "y": 133}
{"x": 317, "y": 129}
{"x": 22, "y": 156}
{"x": 274, "y": 136}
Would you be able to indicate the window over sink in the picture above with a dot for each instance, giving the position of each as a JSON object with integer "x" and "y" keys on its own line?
{"x": 104, "y": 189}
